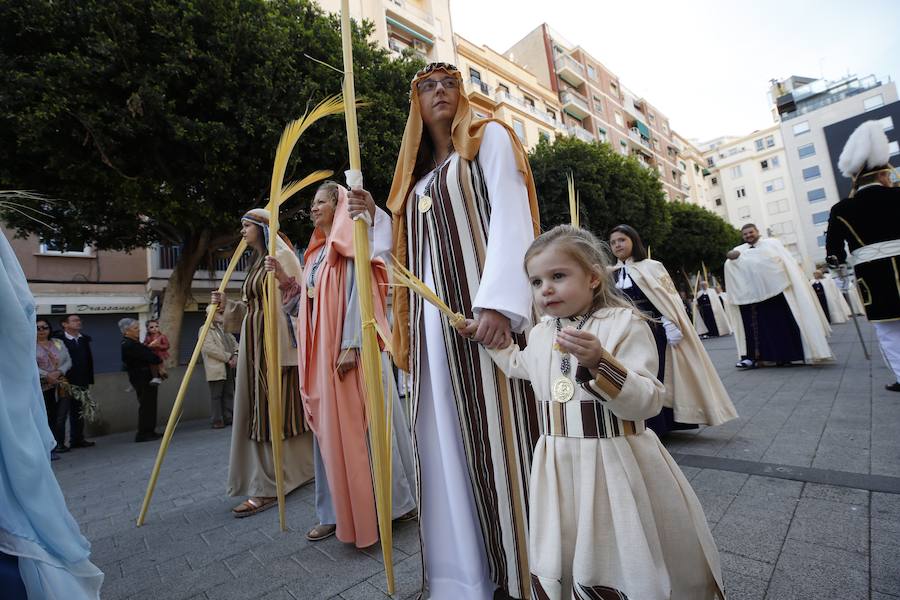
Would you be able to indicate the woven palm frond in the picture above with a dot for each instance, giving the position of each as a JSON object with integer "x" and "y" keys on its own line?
{"x": 403, "y": 277}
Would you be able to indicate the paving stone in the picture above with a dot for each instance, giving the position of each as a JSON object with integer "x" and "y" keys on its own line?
{"x": 836, "y": 494}
{"x": 744, "y": 587}
{"x": 831, "y": 524}
{"x": 886, "y": 568}
{"x": 813, "y": 572}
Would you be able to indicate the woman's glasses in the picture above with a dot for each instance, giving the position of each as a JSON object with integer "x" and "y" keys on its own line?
{"x": 43, "y": 328}
{"x": 430, "y": 85}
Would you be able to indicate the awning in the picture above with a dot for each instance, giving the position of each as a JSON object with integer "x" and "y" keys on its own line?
{"x": 642, "y": 129}
{"x": 408, "y": 29}
{"x": 90, "y": 304}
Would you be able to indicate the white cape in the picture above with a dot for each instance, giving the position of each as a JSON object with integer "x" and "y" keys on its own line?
{"x": 838, "y": 309}
{"x": 723, "y": 323}
{"x": 765, "y": 271}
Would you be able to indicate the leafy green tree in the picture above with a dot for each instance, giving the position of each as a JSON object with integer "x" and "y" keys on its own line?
{"x": 612, "y": 189}
{"x": 698, "y": 238}
{"x": 156, "y": 121}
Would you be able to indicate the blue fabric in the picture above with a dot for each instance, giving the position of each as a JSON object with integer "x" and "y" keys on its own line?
{"x": 35, "y": 524}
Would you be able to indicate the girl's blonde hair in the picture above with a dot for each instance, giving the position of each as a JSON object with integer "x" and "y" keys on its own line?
{"x": 590, "y": 253}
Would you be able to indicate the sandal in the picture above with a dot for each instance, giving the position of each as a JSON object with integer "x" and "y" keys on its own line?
{"x": 320, "y": 532}
{"x": 251, "y": 506}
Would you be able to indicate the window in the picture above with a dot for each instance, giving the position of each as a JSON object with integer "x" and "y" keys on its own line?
{"x": 775, "y": 161}
{"x": 894, "y": 148}
{"x": 806, "y": 150}
{"x": 714, "y": 181}
{"x": 782, "y": 228}
{"x": 503, "y": 88}
{"x": 820, "y": 217}
{"x": 774, "y": 185}
{"x": 776, "y": 207}
{"x": 475, "y": 75}
{"x": 623, "y": 147}
{"x": 592, "y": 73}
{"x": 744, "y": 212}
{"x": 665, "y": 127}
{"x": 886, "y": 123}
{"x": 820, "y": 240}
{"x": 682, "y": 165}
{"x": 551, "y": 114}
{"x": 529, "y": 101}
{"x": 656, "y": 144}
{"x": 736, "y": 171}
{"x": 710, "y": 161}
{"x": 519, "y": 128}
{"x": 812, "y": 172}
{"x": 873, "y": 102}
{"x": 770, "y": 141}
{"x": 764, "y": 164}
{"x": 760, "y": 144}
{"x": 816, "y": 195}
{"x": 543, "y": 135}
{"x": 801, "y": 128}
{"x": 718, "y": 202}
{"x": 614, "y": 88}
{"x": 601, "y": 135}
{"x": 598, "y": 104}
{"x": 52, "y": 247}
{"x": 619, "y": 120}
{"x": 652, "y": 117}
{"x": 674, "y": 175}
{"x": 741, "y": 192}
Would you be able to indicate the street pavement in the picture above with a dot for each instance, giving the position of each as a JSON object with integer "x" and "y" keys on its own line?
{"x": 802, "y": 493}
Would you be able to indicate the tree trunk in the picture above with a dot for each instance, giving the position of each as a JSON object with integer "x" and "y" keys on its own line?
{"x": 178, "y": 291}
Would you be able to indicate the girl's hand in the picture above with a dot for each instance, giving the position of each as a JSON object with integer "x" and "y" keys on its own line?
{"x": 346, "y": 362}
{"x": 582, "y": 345}
{"x": 273, "y": 266}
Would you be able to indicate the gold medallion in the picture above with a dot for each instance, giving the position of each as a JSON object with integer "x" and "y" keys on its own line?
{"x": 563, "y": 389}
{"x": 425, "y": 204}
{"x": 311, "y": 292}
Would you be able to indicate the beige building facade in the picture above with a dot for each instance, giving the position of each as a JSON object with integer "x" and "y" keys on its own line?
{"x": 597, "y": 106}
{"x": 423, "y": 26}
{"x": 498, "y": 87}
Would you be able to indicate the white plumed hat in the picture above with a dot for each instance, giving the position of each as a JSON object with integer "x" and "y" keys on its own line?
{"x": 866, "y": 148}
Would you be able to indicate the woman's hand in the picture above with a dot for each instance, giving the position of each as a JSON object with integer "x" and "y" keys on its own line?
{"x": 582, "y": 345}
{"x": 467, "y": 328}
{"x": 360, "y": 201}
{"x": 53, "y": 377}
{"x": 217, "y": 298}
{"x": 493, "y": 330}
{"x": 732, "y": 254}
{"x": 346, "y": 362}
{"x": 273, "y": 266}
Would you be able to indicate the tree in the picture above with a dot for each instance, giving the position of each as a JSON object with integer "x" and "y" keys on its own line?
{"x": 613, "y": 189}
{"x": 698, "y": 237}
{"x": 157, "y": 120}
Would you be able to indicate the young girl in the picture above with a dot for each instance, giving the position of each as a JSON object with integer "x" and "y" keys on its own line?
{"x": 157, "y": 341}
{"x": 611, "y": 515}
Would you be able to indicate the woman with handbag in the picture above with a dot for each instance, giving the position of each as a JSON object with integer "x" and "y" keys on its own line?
{"x": 53, "y": 361}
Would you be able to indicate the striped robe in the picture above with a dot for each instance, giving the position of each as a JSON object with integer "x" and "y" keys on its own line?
{"x": 490, "y": 420}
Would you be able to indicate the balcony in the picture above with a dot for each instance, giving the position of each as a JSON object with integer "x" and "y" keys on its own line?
{"x": 164, "y": 258}
{"x": 570, "y": 69}
{"x": 637, "y": 138}
{"x": 505, "y": 97}
{"x": 580, "y": 132}
{"x": 574, "y": 104}
{"x": 480, "y": 91}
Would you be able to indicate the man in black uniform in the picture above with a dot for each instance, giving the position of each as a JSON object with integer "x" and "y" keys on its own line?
{"x": 869, "y": 222}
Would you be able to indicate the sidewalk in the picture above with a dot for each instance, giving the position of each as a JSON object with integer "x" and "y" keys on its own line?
{"x": 802, "y": 492}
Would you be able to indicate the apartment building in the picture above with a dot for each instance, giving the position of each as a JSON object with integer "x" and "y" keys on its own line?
{"x": 498, "y": 87}
{"x": 749, "y": 182}
{"x": 815, "y": 117}
{"x": 597, "y": 106}
{"x": 421, "y": 25}
{"x": 696, "y": 178}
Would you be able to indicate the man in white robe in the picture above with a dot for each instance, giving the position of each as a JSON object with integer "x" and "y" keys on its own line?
{"x": 781, "y": 320}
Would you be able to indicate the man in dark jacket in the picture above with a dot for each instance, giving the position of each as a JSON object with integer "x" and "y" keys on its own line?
{"x": 868, "y": 222}
{"x": 80, "y": 377}
{"x": 137, "y": 358}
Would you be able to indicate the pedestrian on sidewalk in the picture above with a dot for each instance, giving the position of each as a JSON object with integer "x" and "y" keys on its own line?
{"x": 220, "y": 351}
{"x": 138, "y": 359}
{"x": 694, "y": 392}
{"x": 610, "y": 513}
{"x": 80, "y": 378}
{"x": 710, "y": 319}
{"x": 781, "y": 321}
{"x": 867, "y": 222}
{"x": 251, "y": 470}
{"x": 157, "y": 341}
{"x": 53, "y": 361}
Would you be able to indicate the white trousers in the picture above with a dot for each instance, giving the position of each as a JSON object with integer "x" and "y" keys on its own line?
{"x": 889, "y": 338}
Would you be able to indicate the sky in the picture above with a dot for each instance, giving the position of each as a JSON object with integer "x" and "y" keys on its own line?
{"x": 706, "y": 64}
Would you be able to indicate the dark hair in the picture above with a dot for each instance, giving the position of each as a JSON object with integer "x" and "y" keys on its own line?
{"x": 152, "y": 321}
{"x": 424, "y": 156}
{"x": 748, "y": 226}
{"x": 331, "y": 187}
{"x": 44, "y": 321}
{"x": 638, "y": 252}
{"x": 65, "y": 318}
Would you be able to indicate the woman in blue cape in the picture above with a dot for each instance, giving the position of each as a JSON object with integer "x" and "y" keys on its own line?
{"x": 42, "y": 552}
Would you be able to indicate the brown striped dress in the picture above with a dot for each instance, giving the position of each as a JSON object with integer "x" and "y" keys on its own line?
{"x": 251, "y": 470}
{"x": 611, "y": 514}
{"x": 473, "y": 427}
